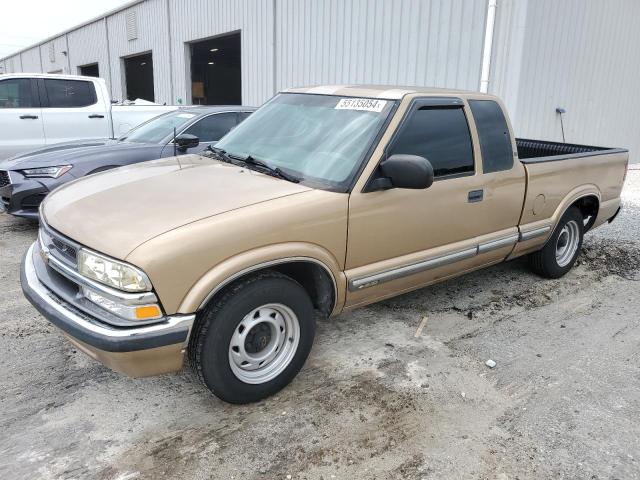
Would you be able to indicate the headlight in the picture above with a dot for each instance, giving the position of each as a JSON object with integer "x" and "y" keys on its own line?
{"x": 111, "y": 272}
{"x": 51, "y": 172}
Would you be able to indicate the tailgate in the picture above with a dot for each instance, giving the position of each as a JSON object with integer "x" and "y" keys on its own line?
{"x": 126, "y": 117}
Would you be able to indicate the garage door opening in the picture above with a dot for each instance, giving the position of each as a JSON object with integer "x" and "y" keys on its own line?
{"x": 138, "y": 73}
{"x": 90, "y": 70}
{"x": 215, "y": 71}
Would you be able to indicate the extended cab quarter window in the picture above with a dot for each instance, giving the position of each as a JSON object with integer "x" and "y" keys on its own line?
{"x": 495, "y": 140}
{"x": 441, "y": 135}
{"x": 213, "y": 127}
{"x": 16, "y": 93}
{"x": 70, "y": 93}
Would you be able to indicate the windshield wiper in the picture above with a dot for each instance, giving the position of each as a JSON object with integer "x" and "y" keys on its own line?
{"x": 220, "y": 154}
{"x": 273, "y": 171}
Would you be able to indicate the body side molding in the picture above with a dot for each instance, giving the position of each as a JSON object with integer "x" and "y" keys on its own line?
{"x": 431, "y": 263}
{"x": 537, "y": 232}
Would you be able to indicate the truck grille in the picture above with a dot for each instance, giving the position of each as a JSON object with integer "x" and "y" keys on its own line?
{"x": 4, "y": 178}
{"x": 59, "y": 246}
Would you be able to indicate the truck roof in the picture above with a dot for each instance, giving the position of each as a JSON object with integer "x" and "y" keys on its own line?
{"x": 390, "y": 92}
{"x": 58, "y": 76}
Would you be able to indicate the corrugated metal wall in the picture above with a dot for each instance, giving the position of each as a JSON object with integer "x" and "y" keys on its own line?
{"x": 152, "y": 36}
{"x": 406, "y": 42}
{"x": 201, "y": 19}
{"x": 581, "y": 55}
{"x": 53, "y": 58}
{"x": 413, "y": 42}
{"x": 30, "y": 60}
{"x": 89, "y": 45}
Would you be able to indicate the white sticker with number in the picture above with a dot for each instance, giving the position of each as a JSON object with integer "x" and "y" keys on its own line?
{"x": 364, "y": 104}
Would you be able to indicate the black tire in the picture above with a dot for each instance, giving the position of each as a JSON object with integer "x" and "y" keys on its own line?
{"x": 544, "y": 262}
{"x": 209, "y": 346}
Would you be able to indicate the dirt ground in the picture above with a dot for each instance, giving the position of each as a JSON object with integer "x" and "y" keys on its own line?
{"x": 374, "y": 401}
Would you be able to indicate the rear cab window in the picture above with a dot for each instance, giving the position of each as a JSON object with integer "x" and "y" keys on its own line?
{"x": 439, "y": 133}
{"x": 69, "y": 93}
{"x": 16, "y": 93}
{"x": 495, "y": 139}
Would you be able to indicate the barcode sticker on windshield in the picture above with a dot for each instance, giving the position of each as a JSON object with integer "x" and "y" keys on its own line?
{"x": 364, "y": 104}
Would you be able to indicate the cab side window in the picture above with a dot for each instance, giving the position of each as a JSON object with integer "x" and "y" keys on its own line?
{"x": 441, "y": 135}
{"x": 16, "y": 93}
{"x": 495, "y": 140}
{"x": 213, "y": 127}
{"x": 70, "y": 93}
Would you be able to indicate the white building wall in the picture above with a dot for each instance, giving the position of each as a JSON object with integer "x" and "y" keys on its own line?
{"x": 284, "y": 43}
{"x": 581, "y": 55}
{"x": 31, "y": 60}
{"x": 201, "y": 19}
{"x": 60, "y": 62}
{"x": 87, "y": 45}
{"x": 152, "y": 36}
{"x": 408, "y": 42}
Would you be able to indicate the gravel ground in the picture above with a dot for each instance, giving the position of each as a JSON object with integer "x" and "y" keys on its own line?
{"x": 376, "y": 400}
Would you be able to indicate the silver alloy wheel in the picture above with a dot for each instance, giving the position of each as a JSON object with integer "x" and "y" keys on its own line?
{"x": 264, "y": 343}
{"x": 567, "y": 243}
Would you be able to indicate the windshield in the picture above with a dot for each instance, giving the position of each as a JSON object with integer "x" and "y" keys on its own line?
{"x": 157, "y": 129}
{"x": 320, "y": 139}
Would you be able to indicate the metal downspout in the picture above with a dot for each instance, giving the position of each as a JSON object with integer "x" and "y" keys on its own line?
{"x": 488, "y": 44}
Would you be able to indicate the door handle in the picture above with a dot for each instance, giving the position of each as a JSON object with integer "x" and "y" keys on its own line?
{"x": 96, "y": 115}
{"x": 475, "y": 196}
{"x": 30, "y": 117}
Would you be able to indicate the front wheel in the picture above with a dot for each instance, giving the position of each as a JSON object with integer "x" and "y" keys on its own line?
{"x": 561, "y": 250}
{"x": 254, "y": 339}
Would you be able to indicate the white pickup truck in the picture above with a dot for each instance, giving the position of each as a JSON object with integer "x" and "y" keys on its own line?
{"x": 41, "y": 109}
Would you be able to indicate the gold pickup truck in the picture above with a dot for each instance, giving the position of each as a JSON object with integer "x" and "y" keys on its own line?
{"x": 325, "y": 199}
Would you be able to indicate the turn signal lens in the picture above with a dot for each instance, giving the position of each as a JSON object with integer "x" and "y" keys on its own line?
{"x": 147, "y": 312}
{"x": 128, "y": 312}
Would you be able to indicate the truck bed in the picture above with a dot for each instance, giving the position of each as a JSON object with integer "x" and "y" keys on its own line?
{"x": 559, "y": 173}
{"x": 530, "y": 151}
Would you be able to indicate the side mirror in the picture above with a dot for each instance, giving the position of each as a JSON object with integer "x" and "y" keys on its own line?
{"x": 186, "y": 141}
{"x": 404, "y": 171}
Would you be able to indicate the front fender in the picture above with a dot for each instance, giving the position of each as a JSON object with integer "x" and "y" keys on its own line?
{"x": 235, "y": 267}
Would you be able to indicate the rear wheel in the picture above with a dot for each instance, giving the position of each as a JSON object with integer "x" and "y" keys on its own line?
{"x": 561, "y": 250}
{"x": 252, "y": 341}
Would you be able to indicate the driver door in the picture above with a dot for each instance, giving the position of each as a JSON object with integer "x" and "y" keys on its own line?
{"x": 400, "y": 238}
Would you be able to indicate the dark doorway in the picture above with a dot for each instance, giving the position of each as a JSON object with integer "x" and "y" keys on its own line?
{"x": 215, "y": 71}
{"x": 138, "y": 73}
{"x": 91, "y": 70}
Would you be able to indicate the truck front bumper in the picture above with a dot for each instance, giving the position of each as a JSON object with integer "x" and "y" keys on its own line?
{"x": 135, "y": 351}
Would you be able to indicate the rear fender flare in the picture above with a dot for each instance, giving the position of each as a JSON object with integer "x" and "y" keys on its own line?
{"x": 573, "y": 196}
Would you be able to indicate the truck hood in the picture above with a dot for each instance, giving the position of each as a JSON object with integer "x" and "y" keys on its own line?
{"x": 74, "y": 153}
{"x": 115, "y": 211}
